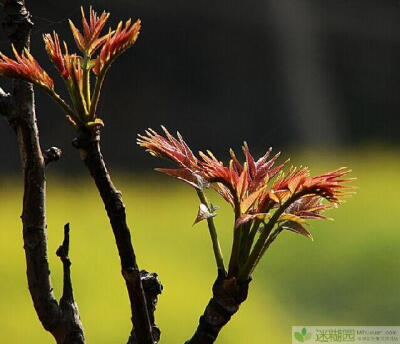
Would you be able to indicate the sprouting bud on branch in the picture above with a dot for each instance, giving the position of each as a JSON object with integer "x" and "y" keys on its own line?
{"x": 261, "y": 193}
{"x": 90, "y": 40}
{"x": 76, "y": 70}
{"x": 115, "y": 44}
{"x": 25, "y": 67}
{"x": 53, "y": 49}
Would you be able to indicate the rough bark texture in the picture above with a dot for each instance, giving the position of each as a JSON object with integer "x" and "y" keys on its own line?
{"x": 19, "y": 109}
{"x": 88, "y": 144}
{"x": 152, "y": 288}
{"x": 228, "y": 294}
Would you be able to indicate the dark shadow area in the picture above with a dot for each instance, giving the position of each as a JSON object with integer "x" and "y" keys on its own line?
{"x": 276, "y": 73}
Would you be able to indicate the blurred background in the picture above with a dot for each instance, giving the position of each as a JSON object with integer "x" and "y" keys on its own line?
{"x": 318, "y": 80}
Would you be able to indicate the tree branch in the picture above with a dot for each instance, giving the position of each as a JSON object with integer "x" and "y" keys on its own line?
{"x": 21, "y": 115}
{"x": 228, "y": 295}
{"x": 88, "y": 144}
{"x": 19, "y": 108}
{"x": 152, "y": 288}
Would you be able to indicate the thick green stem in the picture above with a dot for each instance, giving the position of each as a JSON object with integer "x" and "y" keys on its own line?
{"x": 96, "y": 93}
{"x": 240, "y": 242}
{"x": 234, "y": 260}
{"x": 213, "y": 233}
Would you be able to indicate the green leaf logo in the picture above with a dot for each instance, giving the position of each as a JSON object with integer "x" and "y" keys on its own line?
{"x": 299, "y": 336}
{"x": 302, "y": 336}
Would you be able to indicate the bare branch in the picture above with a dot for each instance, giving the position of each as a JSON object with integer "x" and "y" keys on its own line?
{"x": 17, "y": 25}
{"x": 19, "y": 108}
{"x": 88, "y": 144}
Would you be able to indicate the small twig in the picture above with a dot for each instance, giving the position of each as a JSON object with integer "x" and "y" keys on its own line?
{"x": 69, "y": 308}
{"x": 62, "y": 252}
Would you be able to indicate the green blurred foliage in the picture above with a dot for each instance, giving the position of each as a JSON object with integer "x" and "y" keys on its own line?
{"x": 348, "y": 276}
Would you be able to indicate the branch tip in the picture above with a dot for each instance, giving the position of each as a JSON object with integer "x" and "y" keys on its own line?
{"x": 63, "y": 250}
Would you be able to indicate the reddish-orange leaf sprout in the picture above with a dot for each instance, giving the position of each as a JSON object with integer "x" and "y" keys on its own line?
{"x": 329, "y": 185}
{"x": 309, "y": 207}
{"x": 246, "y": 186}
{"x": 89, "y": 41}
{"x": 25, "y": 67}
{"x": 53, "y": 49}
{"x": 240, "y": 183}
{"x": 263, "y": 207}
{"x": 76, "y": 70}
{"x": 73, "y": 64}
{"x": 175, "y": 150}
{"x": 116, "y": 43}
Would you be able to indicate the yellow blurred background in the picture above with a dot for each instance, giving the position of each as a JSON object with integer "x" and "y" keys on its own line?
{"x": 349, "y": 275}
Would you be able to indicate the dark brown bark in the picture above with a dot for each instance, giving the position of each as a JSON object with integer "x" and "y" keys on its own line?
{"x": 51, "y": 154}
{"x": 72, "y": 322}
{"x": 88, "y": 144}
{"x": 228, "y": 295}
{"x": 19, "y": 109}
{"x": 152, "y": 288}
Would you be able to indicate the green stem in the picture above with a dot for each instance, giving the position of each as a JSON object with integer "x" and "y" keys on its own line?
{"x": 243, "y": 238}
{"x": 96, "y": 93}
{"x": 213, "y": 233}
{"x": 246, "y": 246}
{"x": 269, "y": 241}
{"x": 78, "y": 98}
{"x": 86, "y": 81}
{"x": 67, "y": 109}
{"x": 259, "y": 249}
{"x": 234, "y": 260}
